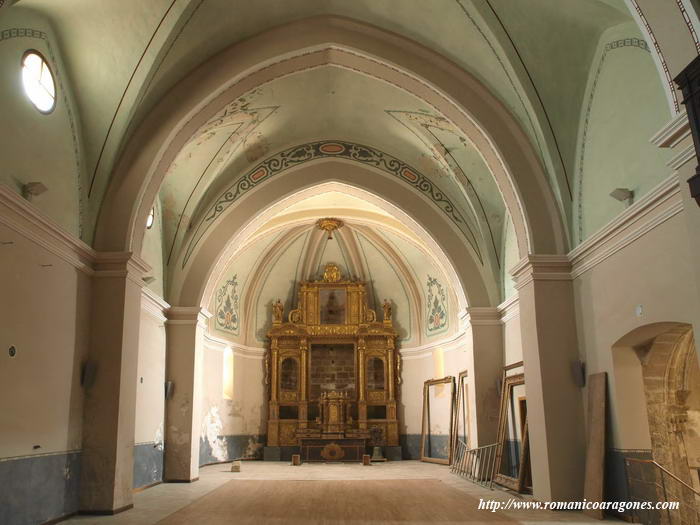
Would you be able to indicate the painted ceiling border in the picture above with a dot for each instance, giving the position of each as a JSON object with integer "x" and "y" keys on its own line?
{"x": 324, "y": 149}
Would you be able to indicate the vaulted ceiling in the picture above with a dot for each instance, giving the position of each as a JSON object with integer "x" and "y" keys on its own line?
{"x": 376, "y": 244}
{"x": 123, "y": 57}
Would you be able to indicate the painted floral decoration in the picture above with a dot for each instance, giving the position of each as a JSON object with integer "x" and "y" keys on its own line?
{"x": 227, "y": 317}
{"x": 437, "y": 306}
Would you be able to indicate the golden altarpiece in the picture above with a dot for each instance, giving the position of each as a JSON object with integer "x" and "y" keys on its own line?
{"x": 332, "y": 372}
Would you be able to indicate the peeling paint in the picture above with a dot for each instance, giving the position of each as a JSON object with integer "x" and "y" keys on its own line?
{"x": 158, "y": 439}
{"x": 212, "y": 427}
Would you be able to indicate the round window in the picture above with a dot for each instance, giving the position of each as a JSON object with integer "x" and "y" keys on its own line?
{"x": 150, "y": 219}
{"x": 38, "y": 82}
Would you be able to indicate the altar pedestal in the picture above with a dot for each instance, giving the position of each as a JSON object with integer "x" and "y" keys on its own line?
{"x": 332, "y": 449}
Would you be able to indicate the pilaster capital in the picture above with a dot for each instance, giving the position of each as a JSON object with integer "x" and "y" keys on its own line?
{"x": 121, "y": 264}
{"x": 188, "y": 315}
{"x": 483, "y": 315}
{"x": 538, "y": 267}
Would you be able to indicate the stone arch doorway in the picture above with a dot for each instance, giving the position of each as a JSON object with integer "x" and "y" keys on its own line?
{"x": 670, "y": 383}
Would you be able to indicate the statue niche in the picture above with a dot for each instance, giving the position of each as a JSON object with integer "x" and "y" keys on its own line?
{"x": 332, "y": 373}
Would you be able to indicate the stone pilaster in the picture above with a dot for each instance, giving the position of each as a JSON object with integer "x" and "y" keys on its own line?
{"x": 554, "y": 401}
{"x": 185, "y": 335}
{"x": 485, "y": 372}
{"x": 110, "y": 384}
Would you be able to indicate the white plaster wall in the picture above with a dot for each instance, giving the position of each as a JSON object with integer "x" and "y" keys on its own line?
{"x": 241, "y": 416}
{"x": 215, "y": 409}
{"x": 512, "y": 341}
{"x": 44, "y": 313}
{"x": 249, "y": 410}
{"x": 150, "y": 393}
{"x": 655, "y": 271}
{"x": 415, "y": 371}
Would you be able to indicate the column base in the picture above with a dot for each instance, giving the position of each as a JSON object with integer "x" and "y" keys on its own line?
{"x": 279, "y": 453}
{"x": 393, "y": 453}
{"x": 108, "y": 512}
{"x": 272, "y": 454}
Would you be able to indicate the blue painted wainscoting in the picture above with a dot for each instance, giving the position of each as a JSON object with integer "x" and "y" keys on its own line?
{"x": 148, "y": 464}
{"x": 438, "y": 443}
{"x": 39, "y": 488}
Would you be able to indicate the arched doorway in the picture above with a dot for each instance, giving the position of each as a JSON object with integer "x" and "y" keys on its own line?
{"x": 670, "y": 380}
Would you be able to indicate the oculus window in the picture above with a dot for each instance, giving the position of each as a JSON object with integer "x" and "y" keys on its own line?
{"x": 150, "y": 219}
{"x": 38, "y": 82}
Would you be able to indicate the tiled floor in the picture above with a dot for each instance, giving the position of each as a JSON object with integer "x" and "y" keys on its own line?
{"x": 156, "y": 503}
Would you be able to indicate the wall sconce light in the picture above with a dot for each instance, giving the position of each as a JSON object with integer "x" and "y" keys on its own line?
{"x": 33, "y": 189}
{"x": 622, "y": 195}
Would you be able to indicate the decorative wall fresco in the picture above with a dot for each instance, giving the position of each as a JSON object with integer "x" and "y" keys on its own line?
{"x": 227, "y": 304}
{"x": 308, "y": 152}
{"x": 436, "y": 320}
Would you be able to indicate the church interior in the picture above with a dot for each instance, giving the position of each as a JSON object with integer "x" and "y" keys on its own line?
{"x": 368, "y": 261}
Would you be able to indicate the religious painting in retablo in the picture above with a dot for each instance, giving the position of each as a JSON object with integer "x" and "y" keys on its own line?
{"x": 332, "y": 303}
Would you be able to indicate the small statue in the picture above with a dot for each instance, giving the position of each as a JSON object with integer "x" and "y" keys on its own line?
{"x": 387, "y": 310}
{"x": 277, "y": 311}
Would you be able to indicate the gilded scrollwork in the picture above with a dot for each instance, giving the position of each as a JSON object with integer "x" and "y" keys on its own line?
{"x": 331, "y": 273}
{"x": 295, "y": 337}
{"x": 288, "y": 434}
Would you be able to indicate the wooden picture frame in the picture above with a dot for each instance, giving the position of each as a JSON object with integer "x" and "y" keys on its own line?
{"x": 425, "y": 420}
{"x": 461, "y": 411}
{"x": 514, "y": 483}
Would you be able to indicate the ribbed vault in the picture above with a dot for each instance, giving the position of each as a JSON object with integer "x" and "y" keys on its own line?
{"x": 376, "y": 244}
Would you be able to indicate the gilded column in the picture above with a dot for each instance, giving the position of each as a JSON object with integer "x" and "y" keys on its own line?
{"x": 361, "y": 347}
{"x": 274, "y": 351}
{"x": 304, "y": 350}
{"x": 390, "y": 367}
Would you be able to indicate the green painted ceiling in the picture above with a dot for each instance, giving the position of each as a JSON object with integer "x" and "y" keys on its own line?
{"x": 534, "y": 55}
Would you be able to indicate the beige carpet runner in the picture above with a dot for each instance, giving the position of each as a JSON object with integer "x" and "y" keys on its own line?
{"x": 385, "y": 501}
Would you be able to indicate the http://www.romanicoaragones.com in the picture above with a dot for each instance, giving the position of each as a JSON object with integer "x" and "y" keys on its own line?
{"x": 619, "y": 506}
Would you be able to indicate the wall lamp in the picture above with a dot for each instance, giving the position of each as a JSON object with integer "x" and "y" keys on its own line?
{"x": 33, "y": 189}
{"x": 622, "y": 195}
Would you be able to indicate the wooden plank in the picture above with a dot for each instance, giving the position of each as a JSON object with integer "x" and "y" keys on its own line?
{"x": 595, "y": 445}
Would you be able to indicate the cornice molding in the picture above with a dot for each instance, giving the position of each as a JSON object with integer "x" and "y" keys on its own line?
{"x": 510, "y": 308}
{"x": 121, "y": 264}
{"x": 447, "y": 345}
{"x": 483, "y": 316}
{"x": 685, "y": 155}
{"x": 154, "y": 305}
{"x": 19, "y": 215}
{"x": 188, "y": 315}
{"x": 212, "y": 342}
{"x": 673, "y": 132}
{"x": 656, "y": 207}
{"x": 540, "y": 267}
{"x": 32, "y": 224}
